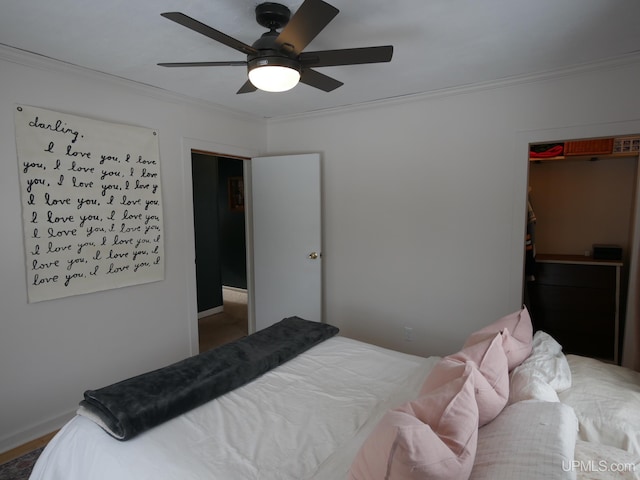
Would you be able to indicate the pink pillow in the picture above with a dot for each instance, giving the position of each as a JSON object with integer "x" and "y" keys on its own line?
{"x": 491, "y": 378}
{"x": 517, "y": 336}
{"x": 434, "y": 436}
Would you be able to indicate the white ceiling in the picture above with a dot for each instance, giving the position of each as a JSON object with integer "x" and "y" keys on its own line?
{"x": 437, "y": 43}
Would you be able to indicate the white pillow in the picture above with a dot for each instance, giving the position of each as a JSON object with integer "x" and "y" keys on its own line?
{"x": 541, "y": 375}
{"x": 606, "y": 399}
{"x": 529, "y": 440}
{"x": 530, "y": 385}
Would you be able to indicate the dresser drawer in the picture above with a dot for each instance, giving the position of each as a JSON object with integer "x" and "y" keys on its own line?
{"x": 576, "y": 300}
{"x": 585, "y": 343}
{"x": 581, "y": 300}
{"x": 564, "y": 317}
{"x": 594, "y": 276}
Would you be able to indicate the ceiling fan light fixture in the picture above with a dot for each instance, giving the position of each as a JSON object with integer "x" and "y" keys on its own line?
{"x": 273, "y": 76}
{"x": 276, "y": 61}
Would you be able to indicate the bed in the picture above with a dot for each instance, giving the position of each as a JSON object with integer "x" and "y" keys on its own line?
{"x": 333, "y": 411}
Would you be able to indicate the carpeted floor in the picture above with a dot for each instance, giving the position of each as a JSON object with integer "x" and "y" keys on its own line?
{"x": 20, "y": 468}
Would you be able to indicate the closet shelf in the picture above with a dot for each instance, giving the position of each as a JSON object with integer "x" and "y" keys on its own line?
{"x": 594, "y": 149}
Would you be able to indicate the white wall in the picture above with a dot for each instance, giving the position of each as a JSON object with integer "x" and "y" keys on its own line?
{"x": 50, "y": 352}
{"x": 424, "y": 198}
{"x": 579, "y": 203}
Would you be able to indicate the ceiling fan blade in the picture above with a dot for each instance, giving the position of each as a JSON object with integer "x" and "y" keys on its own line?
{"x": 306, "y": 23}
{"x": 319, "y": 80}
{"x": 248, "y": 87}
{"x": 212, "y": 33}
{"x": 347, "y": 56}
{"x": 205, "y": 64}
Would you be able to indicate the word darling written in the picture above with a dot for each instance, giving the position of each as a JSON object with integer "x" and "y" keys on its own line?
{"x": 91, "y": 200}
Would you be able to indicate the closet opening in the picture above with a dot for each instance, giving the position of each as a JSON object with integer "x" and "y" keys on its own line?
{"x": 581, "y": 241}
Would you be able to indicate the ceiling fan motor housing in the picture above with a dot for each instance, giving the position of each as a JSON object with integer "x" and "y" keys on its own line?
{"x": 272, "y": 15}
{"x": 270, "y": 53}
{"x": 266, "y": 58}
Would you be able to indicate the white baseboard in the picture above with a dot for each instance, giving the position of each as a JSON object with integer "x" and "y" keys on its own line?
{"x": 16, "y": 439}
{"x": 220, "y": 308}
{"x": 211, "y": 311}
{"x": 234, "y": 289}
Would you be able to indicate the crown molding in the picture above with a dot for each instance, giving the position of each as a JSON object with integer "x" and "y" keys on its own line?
{"x": 34, "y": 60}
{"x": 609, "y": 63}
{"x": 42, "y": 62}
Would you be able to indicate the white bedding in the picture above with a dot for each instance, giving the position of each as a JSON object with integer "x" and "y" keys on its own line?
{"x": 595, "y": 461}
{"x": 606, "y": 399}
{"x": 260, "y": 433}
{"x": 306, "y": 420}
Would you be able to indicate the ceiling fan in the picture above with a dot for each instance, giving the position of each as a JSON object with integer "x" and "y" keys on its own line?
{"x": 276, "y": 62}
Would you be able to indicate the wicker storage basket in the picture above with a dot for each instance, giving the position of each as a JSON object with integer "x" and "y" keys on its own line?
{"x": 589, "y": 147}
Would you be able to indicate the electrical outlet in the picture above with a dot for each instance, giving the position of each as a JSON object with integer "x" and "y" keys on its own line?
{"x": 408, "y": 334}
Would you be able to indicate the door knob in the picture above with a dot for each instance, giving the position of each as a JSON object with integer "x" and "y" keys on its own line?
{"x": 313, "y": 255}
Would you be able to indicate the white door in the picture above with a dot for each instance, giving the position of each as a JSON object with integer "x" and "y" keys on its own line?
{"x": 287, "y": 265}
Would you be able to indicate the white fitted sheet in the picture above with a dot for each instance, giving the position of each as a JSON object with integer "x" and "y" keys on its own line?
{"x": 303, "y": 420}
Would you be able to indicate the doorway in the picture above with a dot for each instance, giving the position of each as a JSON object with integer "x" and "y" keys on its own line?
{"x": 220, "y": 247}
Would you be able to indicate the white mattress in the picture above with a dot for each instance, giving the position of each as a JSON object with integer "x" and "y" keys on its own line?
{"x": 303, "y": 420}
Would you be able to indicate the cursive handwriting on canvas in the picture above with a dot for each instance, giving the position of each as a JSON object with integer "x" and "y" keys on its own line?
{"x": 91, "y": 203}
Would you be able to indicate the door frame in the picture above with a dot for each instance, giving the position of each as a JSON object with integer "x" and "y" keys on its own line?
{"x": 523, "y": 140}
{"x": 189, "y": 252}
